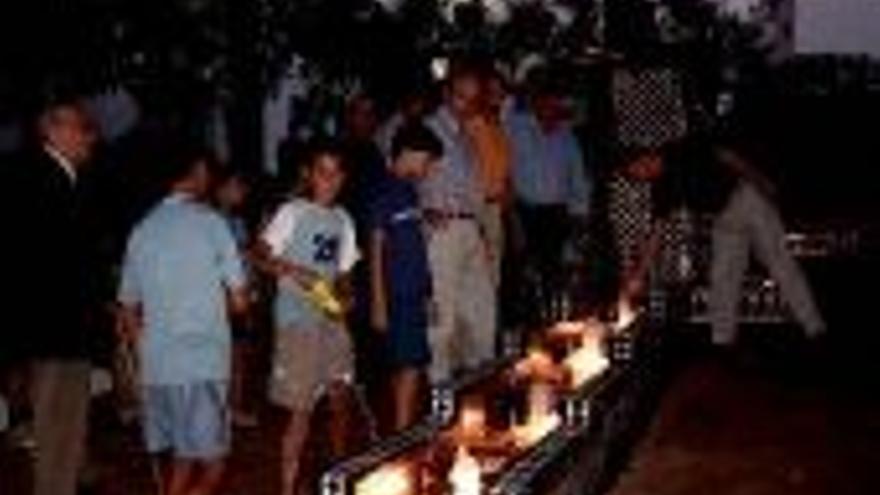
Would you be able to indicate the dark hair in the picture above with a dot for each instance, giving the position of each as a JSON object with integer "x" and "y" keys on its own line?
{"x": 314, "y": 149}
{"x": 464, "y": 68}
{"x": 545, "y": 81}
{"x": 56, "y": 99}
{"x": 51, "y": 105}
{"x": 181, "y": 159}
{"x": 318, "y": 147}
{"x": 415, "y": 136}
{"x": 225, "y": 173}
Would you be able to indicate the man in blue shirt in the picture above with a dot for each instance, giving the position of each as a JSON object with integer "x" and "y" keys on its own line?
{"x": 451, "y": 196}
{"x": 181, "y": 275}
{"x": 549, "y": 177}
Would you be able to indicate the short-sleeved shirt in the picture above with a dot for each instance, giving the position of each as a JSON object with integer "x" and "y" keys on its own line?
{"x": 548, "y": 167}
{"x": 454, "y": 186}
{"x": 179, "y": 263}
{"x": 396, "y": 213}
{"x": 315, "y": 237}
{"x": 494, "y": 154}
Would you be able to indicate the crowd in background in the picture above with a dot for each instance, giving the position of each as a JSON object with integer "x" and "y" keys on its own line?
{"x": 383, "y": 259}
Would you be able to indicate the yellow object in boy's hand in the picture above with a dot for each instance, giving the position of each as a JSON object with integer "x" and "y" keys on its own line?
{"x": 323, "y": 297}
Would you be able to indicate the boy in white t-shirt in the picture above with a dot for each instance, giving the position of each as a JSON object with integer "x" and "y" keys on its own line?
{"x": 309, "y": 247}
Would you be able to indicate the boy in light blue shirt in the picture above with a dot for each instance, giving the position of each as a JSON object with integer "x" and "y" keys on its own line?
{"x": 181, "y": 276}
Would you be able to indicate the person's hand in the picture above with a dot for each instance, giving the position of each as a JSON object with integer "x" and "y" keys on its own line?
{"x": 127, "y": 325}
{"x": 379, "y": 320}
{"x": 433, "y": 311}
{"x": 302, "y": 276}
{"x": 378, "y": 316}
{"x": 345, "y": 295}
{"x": 435, "y": 220}
{"x": 633, "y": 287}
{"x": 489, "y": 251}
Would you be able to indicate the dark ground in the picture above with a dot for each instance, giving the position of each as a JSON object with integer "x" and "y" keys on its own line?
{"x": 771, "y": 422}
{"x": 774, "y": 420}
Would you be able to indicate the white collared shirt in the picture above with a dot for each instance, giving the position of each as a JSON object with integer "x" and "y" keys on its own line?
{"x": 63, "y": 162}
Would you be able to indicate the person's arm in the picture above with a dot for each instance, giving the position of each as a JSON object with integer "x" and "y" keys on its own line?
{"x": 378, "y": 286}
{"x": 129, "y": 321}
{"x": 343, "y": 286}
{"x": 633, "y": 282}
{"x": 266, "y": 252}
{"x": 519, "y": 173}
{"x": 232, "y": 272}
{"x": 277, "y": 267}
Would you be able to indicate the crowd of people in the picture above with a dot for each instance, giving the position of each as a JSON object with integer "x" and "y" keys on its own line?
{"x": 388, "y": 248}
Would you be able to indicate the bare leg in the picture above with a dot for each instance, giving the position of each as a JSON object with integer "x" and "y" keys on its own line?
{"x": 730, "y": 260}
{"x": 159, "y": 467}
{"x": 768, "y": 234}
{"x": 240, "y": 416}
{"x": 209, "y": 479}
{"x": 291, "y": 448}
{"x": 180, "y": 477}
{"x": 406, "y": 397}
{"x": 339, "y": 418}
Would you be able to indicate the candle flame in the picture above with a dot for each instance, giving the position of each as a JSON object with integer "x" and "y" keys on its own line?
{"x": 472, "y": 422}
{"x": 390, "y": 479}
{"x": 626, "y": 315}
{"x": 587, "y": 361}
{"x": 541, "y": 418}
{"x": 569, "y": 328}
{"x": 464, "y": 477}
{"x": 537, "y": 363}
{"x": 535, "y": 429}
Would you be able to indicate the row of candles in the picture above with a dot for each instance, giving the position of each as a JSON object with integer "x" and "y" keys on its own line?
{"x": 545, "y": 378}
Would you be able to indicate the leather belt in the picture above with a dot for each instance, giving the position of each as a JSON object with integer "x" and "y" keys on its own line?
{"x": 449, "y": 215}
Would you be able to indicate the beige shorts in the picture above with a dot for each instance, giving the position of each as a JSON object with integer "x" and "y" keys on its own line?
{"x": 306, "y": 362}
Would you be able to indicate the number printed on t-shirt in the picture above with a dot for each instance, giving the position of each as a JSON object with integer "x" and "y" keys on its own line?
{"x": 326, "y": 248}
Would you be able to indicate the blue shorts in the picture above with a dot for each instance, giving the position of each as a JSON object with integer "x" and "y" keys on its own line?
{"x": 407, "y": 341}
{"x": 191, "y": 421}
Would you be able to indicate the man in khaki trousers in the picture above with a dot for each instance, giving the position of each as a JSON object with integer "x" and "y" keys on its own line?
{"x": 463, "y": 327}
{"x": 751, "y": 223}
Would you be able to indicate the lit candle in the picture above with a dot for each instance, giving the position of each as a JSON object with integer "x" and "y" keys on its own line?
{"x": 473, "y": 421}
{"x": 626, "y": 314}
{"x": 541, "y": 418}
{"x": 390, "y": 479}
{"x": 464, "y": 477}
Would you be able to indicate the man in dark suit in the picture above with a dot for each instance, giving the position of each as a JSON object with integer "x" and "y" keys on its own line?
{"x": 53, "y": 276}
